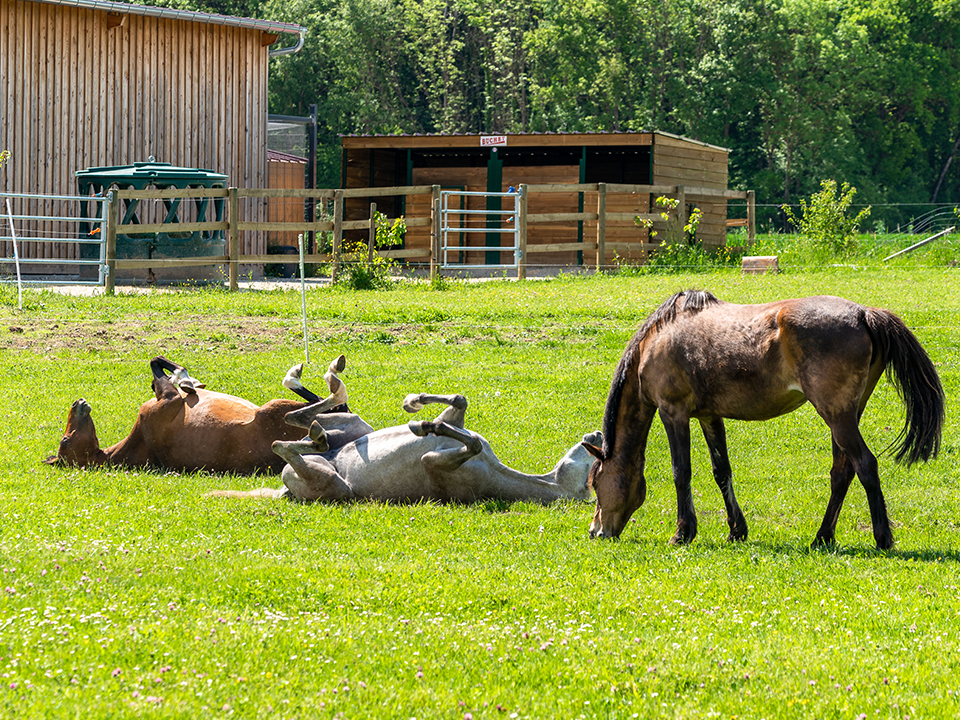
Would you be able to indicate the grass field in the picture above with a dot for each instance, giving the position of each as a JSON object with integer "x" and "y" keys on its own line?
{"x": 129, "y": 593}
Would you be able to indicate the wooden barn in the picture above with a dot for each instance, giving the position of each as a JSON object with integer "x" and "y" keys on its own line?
{"x": 90, "y": 83}
{"x": 479, "y": 163}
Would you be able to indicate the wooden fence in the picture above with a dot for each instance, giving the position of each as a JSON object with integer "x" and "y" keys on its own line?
{"x": 233, "y": 224}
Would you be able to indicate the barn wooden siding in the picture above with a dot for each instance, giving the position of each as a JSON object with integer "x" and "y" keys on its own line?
{"x": 82, "y": 87}
{"x": 655, "y": 158}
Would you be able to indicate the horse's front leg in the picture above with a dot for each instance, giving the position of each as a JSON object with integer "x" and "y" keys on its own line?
{"x": 678, "y": 434}
{"x": 446, "y": 461}
{"x": 716, "y": 436}
{"x": 454, "y": 414}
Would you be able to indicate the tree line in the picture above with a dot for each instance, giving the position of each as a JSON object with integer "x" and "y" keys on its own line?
{"x": 861, "y": 91}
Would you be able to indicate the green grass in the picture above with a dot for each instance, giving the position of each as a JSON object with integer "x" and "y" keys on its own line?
{"x": 127, "y": 593}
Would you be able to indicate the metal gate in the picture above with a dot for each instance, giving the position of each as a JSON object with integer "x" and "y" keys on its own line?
{"x": 53, "y": 219}
{"x": 458, "y": 224}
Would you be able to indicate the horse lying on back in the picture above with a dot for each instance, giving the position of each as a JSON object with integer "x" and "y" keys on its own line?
{"x": 699, "y": 357}
{"x": 186, "y": 427}
{"x": 436, "y": 460}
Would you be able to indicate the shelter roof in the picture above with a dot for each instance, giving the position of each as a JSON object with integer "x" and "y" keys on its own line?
{"x": 277, "y": 156}
{"x": 548, "y": 139}
{"x": 267, "y": 26}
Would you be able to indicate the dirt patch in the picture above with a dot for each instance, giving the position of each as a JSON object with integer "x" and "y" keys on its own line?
{"x": 258, "y": 334}
{"x": 244, "y": 334}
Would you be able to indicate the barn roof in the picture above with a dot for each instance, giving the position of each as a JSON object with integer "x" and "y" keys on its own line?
{"x": 267, "y": 26}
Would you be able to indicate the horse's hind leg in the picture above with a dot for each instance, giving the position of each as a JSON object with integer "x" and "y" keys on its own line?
{"x": 309, "y": 476}
{"x": 716, "y": 436}
{"x": 841, "y": 474}
{"x": 338, "y": 391}
{"x": 455, "y": 414}
{"x": 335, "y": 402}
{"x": 847, "y": 437}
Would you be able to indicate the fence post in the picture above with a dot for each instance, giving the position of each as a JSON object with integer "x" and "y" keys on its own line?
{"x": 601, "y": 226}
{"x": 337, "y": 233}
{"x": 434, "y": 233}
{"x": 113, "y": 206}
{"x": 751, "y": 217}
{"x": 522, "y": 232}
{"x": 372, "y": 241}
{"x": 681, "y": 208}
{"x": 233, "y": 237}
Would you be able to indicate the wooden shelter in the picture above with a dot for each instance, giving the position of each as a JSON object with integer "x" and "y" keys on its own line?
{"x": 87, "y": 83}
{"x": 495, "y": 163}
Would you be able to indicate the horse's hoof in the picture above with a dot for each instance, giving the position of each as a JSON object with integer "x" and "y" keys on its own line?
{"x": 822, "y": 542}
{"x": 420, "y": 428}
{"x": 412, "y": 403}
{"x": 338, "y": 364}
{"x": 737, "y": 535}
{"x": 318, "y": 436}
{"x": 291, "y": 380}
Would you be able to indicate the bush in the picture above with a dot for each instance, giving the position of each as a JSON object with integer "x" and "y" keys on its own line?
{"x": 362, "y": 272}
{"x": 825, "y": 220}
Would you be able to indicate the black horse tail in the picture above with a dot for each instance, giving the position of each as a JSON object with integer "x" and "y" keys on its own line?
{"x": 911, "y": 371}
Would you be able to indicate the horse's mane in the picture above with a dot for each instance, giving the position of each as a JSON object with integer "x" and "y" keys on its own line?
{"x": 693, "y": 302}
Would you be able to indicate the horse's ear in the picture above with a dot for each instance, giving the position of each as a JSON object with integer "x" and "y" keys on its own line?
{"x": 593, "y": 450}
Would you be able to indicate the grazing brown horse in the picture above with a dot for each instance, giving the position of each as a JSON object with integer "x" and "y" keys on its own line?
{"x": 186, "y": 427}
{"x": 699, "y": 357}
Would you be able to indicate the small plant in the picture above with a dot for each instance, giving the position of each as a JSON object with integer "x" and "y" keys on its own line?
{"x": 826, "y": 221}
{"x": 4, "y": 156}
{"x": 677, "y": 234}
{"x": 680, "y": 251}
{"x": 366, "y": 270}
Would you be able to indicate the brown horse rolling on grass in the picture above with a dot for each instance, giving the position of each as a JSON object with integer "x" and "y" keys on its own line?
{"x": 187, "y": 427}
{"x": 699, "y": 357}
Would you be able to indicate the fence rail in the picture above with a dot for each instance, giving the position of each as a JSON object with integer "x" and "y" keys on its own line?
{"x": 233, "y": 225}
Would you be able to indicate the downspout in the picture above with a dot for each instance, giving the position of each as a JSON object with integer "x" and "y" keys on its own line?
{"x": 290, "y": 49}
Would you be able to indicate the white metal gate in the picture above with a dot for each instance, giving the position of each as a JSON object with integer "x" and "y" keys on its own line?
{"x": 53, "y": 219}
{"x": 457, "y": 225}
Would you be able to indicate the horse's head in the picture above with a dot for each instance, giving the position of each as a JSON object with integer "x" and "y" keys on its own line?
{"x": 574, "y": 468}
{"x": 620, "y": 491}
{"x": 79, "y": 445}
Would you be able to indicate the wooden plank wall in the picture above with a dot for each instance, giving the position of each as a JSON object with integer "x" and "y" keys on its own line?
{"x": 677, "y": 161}
{"x": 466, "y": 179}
{"x": 546, "y": 233}
{"x": 618, "y": 231}
{"x": 76, "y": 93}
{"x": 281, "y": 174}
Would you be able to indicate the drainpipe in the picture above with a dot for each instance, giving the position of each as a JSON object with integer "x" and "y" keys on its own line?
{"x": 290, "y": 49}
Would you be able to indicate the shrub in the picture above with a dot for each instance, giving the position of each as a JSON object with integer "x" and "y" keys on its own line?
{"x": 363, "y": 271}
{"x": 825, "y": 220}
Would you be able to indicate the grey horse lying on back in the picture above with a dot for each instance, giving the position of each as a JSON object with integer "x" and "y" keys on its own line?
{"x": 424, "y": 460}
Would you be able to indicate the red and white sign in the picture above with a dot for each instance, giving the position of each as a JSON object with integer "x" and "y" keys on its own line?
{"x": 492, "y": 140}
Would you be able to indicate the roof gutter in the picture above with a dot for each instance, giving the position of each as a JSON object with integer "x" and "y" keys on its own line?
{"x": 266, "y": 26}
{"x": 290, "y": 49}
